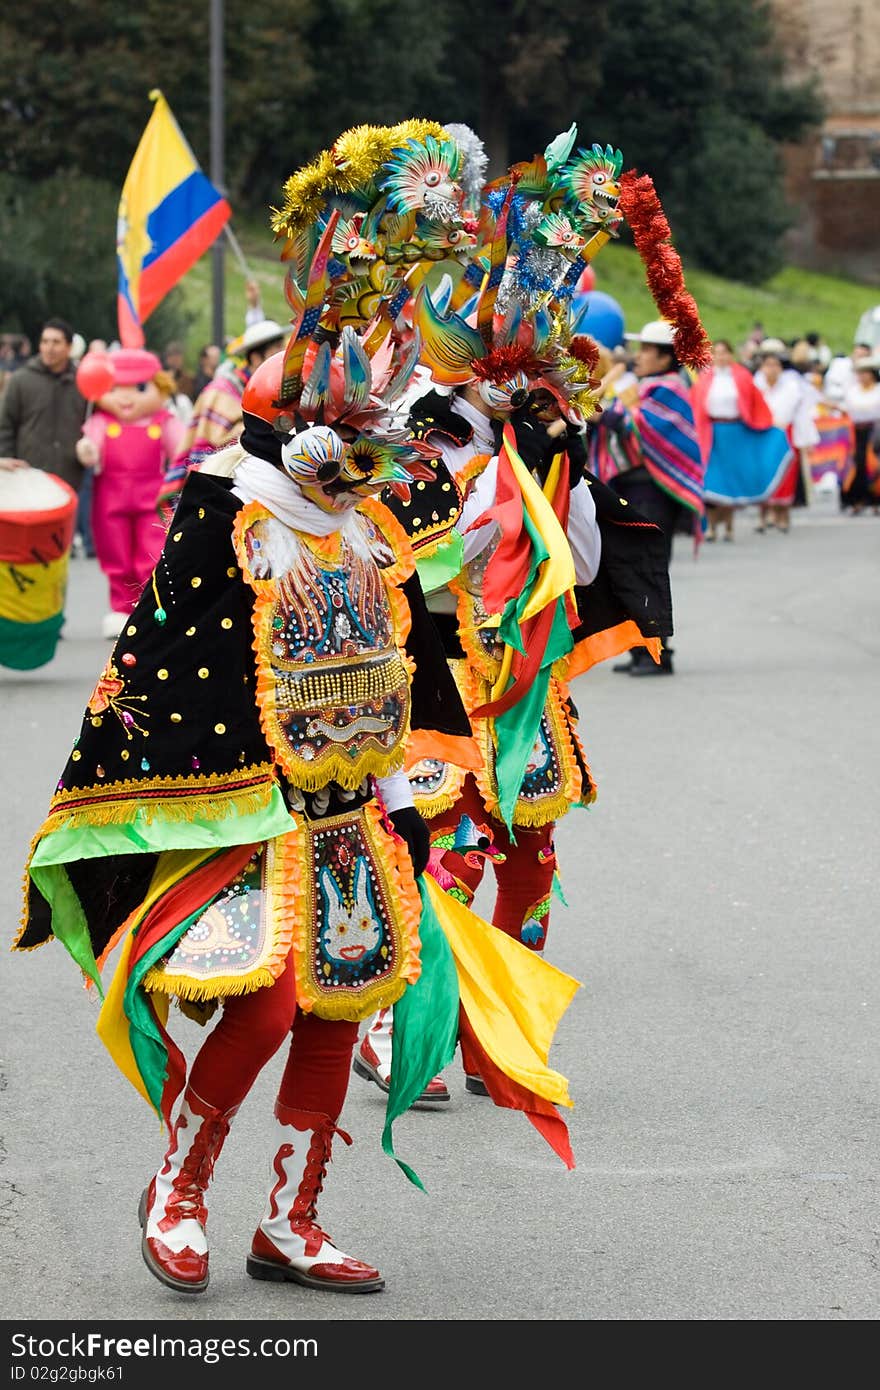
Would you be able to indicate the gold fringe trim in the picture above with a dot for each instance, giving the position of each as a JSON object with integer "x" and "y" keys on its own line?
{"x": 158, "y": 981}
{"x": 532, "y": 817}
{"x": 211, "y": 804}
{"x": 432, "y": 806}
{"x": 345, "y": 1008}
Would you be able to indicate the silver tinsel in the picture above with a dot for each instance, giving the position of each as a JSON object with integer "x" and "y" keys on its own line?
{"x": 536, "y": 270}
{"x": 474, "y": 163}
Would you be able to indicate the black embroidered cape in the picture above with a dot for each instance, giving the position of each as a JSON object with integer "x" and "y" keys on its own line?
{"x": 171, "y": 735}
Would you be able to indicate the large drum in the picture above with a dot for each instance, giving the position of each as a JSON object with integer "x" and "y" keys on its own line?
{"x": 37, "y": 522}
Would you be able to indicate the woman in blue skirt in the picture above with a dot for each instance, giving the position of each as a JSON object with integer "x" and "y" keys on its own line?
{"x": 746, "y": 455}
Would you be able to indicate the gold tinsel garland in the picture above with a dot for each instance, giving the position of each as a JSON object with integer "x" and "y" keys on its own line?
{"x": 351, "y": 163}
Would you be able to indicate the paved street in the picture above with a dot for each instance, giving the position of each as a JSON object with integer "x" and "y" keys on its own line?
{"x": 723, "y": 1053}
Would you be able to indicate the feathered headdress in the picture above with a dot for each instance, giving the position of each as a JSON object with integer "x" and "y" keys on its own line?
{"x": 399, "y": 208}
{"x": 541, "y": 224}
{"x": 359, "y": 224}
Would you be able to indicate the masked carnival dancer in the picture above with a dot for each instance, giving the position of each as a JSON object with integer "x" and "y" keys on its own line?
{"x": 235, "y": 814}
{"x": 534, "y": 569}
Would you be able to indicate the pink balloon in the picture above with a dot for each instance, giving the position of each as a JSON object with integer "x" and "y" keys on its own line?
{"x": 587, "y": 280}
{"x": 95, "y": 375}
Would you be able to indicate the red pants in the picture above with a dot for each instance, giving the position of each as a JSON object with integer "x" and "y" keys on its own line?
{"x": 250, "y": 1031}
{"x": 524, "y": 880}
{"x": 127, "y": 532}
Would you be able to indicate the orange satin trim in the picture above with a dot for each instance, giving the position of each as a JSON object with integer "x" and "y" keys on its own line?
{"x": 610, "y": 642}
{"x": 448, "y": 748}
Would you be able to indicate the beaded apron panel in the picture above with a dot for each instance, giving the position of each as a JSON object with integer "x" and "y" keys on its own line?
{"x": 358, "y": 945}
{"x": 238, "y": 941}
{"x": 556, "y": 775}
{"x": 338, "y": 892}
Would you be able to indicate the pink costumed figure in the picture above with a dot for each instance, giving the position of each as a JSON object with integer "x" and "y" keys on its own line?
{"x": 129, "y": 439}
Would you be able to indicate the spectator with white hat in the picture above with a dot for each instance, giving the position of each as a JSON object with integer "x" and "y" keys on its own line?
{"x": 666, "y": 483}
{"x": 217, "y": 415}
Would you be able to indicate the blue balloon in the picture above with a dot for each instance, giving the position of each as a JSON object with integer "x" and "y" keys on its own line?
{"x": 597, "y": 314}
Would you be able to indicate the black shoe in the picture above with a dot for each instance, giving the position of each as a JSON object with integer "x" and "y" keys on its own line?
{"x": 632, "y": 660}
{"x": 651, "y": 667}
{"x": 476, "y": 1085}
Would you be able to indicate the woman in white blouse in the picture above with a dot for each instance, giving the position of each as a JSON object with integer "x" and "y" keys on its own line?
{"x": 746, "y": 455}
{"x": 791, "y": 400}
{"x": 861, "y": 486}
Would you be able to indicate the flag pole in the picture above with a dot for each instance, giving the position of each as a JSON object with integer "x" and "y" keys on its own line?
{"x": 238, "y": 253}
{"x": 217, "y": 171}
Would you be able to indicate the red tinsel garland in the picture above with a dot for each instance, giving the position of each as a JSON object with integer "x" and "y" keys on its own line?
{"x": 584, "y": 349}
{"x": 501, "y": 363}
{"x": 642, "y": 209}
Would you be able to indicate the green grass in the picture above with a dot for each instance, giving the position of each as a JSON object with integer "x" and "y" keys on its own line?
{"x": 794, "y": 302}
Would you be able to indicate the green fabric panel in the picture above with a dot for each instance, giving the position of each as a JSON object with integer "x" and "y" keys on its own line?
{"x": 68, "y": 919}
{"x": 146, "y": 1040}
{"x": 435, "y": 571}
{"x": 425, "y": 1027}
{"x": 517, "y": 728}
{"x": 24, "y": 646}
{"x": 143, "y": 836}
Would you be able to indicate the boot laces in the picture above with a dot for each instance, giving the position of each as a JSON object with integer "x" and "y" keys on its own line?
{"x": 305, "y": 1207}
{"x": 186, "y": 1202}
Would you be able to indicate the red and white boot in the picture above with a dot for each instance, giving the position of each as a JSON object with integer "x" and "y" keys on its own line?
{"x": 172, "y": 1209}
{"x": 289, "y": 1245}
{"x": 372, "y": 1062}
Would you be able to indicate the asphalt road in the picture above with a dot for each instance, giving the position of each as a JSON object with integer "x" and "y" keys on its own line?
{"x": 723, "y": 1053}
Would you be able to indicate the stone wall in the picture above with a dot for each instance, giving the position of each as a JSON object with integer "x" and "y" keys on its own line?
{"x": 833, "y": 178}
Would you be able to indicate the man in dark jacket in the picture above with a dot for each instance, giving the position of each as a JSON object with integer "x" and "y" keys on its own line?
{"x": 41, "y": 410}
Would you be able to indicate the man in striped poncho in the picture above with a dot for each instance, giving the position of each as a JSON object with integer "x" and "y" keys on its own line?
{"x": 666, "y": 485}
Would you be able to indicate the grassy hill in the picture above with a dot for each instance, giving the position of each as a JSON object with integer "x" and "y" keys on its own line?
{"x": 794, "y": 302}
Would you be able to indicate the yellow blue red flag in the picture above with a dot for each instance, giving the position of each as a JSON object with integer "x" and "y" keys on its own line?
{"x": 169, "y": 214}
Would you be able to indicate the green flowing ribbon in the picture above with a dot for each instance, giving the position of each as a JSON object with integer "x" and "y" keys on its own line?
{"x": 516, "y": 729}
{"x": 425, "y": 1027}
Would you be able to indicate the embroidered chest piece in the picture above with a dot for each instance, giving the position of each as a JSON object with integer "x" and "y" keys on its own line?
{"x": 334, "y": 688}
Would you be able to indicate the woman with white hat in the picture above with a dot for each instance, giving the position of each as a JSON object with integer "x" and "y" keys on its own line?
{"x": 217, "y": 416}
{"x": 666, "y": 485}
